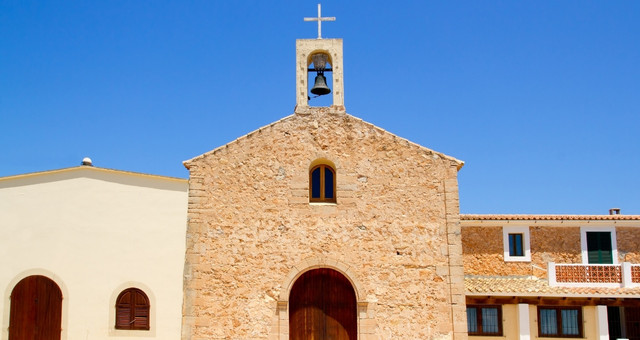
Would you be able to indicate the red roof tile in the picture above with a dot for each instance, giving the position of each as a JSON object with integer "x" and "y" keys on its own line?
{"x": 551, "y": 217}
{"x": 533, "y": 286}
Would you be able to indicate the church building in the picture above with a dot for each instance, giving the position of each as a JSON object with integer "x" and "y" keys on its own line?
{"x": 323, "y": 226}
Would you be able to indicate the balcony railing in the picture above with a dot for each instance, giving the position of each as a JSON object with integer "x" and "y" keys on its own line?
{"x": 594, "y": 275}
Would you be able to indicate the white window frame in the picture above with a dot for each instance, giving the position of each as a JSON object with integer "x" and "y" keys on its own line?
{"x": 583, "y": 242}
{"x": 526, "y": 247}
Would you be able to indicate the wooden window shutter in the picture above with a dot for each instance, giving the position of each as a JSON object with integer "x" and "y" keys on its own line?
{"x": 599, "y": 248}
{"x": 132, "y": 310}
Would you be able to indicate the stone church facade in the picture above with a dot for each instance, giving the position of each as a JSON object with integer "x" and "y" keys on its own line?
{"x": 391, "y": 230}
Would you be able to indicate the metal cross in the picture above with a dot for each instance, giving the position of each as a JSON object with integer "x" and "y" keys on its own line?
{"x": 320, "y": 19}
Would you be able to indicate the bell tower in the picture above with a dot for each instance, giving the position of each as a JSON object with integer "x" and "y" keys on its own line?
{"x": 319, "y": 56}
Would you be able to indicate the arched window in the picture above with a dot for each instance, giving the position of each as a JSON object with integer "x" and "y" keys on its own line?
{"x": 322, "y": 184}
{"x": 132, "y": 310}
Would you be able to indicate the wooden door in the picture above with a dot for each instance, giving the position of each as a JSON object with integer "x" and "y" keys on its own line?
{"x": 322, "y": 306}
{"x": 36, "y": 310}
{"x": 632, "y": 322}
{"x": 615, "y": 323}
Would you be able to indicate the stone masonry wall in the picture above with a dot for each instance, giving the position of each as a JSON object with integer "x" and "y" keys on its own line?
{"x": 482, "y": 253}
{"x": 395, "y": 226}
{"x": 628, "y": 241}
{"x": 554, "y": 244}
{"x": 483, "y": 250}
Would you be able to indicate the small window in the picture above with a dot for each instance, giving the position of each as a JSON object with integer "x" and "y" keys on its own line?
{"x": 516, "y": 244}
{"x": 560, "y": 322}
{"x": 598, "y": 245}
{"x": 132, "y": 310}
{"x": 322, "y": 184}
{"x": 484, "y": 320}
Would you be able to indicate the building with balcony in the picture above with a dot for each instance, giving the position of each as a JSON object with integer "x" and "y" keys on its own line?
{"x": 552, "y": 276}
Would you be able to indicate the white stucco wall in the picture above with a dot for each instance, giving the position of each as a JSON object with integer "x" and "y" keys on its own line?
{"x": 96, "y": 232}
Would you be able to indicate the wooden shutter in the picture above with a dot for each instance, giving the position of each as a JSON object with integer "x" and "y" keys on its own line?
{"x": 132, "y": 310}
{"x": 632, "y": 322}
{"x": 599, "y": 248}
{"x": 141, "y": 311}
{"x": 615, "y": 322}
{"x": 123, "y": 310}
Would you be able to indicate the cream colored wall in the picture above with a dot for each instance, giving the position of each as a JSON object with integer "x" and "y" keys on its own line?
{"x": 82, "y": 227}
{"x": 510, "y": 327}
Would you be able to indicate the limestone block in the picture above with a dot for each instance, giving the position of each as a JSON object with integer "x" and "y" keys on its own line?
{"x": 368, "y": 326}
{"x": 299, "y": 200}
{"x": 456, "y": 270}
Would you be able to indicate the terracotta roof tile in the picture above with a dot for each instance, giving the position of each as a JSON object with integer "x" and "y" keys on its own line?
{"x": 533, "y": 286}
{"x": 550, "y": 217}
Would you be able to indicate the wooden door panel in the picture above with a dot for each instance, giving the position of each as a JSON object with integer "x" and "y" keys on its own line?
{"x": 322, "y": 306}
{"x": 36, "y": 310}
{"x": 632, "y": 322}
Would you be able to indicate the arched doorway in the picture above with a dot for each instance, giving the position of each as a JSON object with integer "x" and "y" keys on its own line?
{"x": 322, "y": 306}
{"x": 36, "y": 310}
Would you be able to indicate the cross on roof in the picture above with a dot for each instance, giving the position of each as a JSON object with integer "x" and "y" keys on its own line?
{"x": 320, "y": 19}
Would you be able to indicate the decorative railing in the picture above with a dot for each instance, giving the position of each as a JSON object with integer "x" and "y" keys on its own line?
{"x": 635, "y": 273}
{"x": 594, "y": 275}
{"x": 588, "y": 273}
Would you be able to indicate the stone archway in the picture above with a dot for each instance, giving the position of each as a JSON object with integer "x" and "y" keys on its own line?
{"x": 322, "y": 305}
{"x": 366, "y": 323}
{"x": 36, "y": 309}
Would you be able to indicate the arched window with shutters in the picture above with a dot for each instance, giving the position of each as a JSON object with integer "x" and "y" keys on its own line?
{"x": 322, "y": 184}
{"x": 132, "y": 310}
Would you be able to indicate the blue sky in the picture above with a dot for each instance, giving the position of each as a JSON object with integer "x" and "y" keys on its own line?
{"x": 541, "y": 99}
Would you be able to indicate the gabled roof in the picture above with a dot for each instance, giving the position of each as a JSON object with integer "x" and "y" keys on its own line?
{"x": 90, "y": 168}
{"x": 294, "y": 116}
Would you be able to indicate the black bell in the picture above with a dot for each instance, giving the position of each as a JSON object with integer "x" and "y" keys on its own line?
{"x": 320, "y": 87}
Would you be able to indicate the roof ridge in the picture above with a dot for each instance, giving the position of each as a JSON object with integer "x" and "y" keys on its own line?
{"x": 90, "y": 168}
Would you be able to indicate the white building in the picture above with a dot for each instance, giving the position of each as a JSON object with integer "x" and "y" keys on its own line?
{"x": 90, "y": 236}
